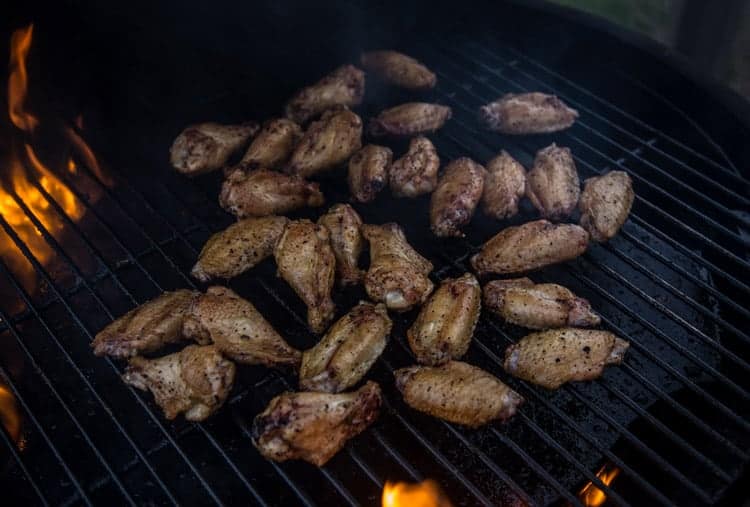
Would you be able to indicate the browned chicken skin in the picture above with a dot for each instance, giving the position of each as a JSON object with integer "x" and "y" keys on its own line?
{"x": 410, "y": 119}
{"x": 343, "y": 224}
{"x": 273, "y": 145}
{"x": 552, "y": 358}
{"x": 605, "y": 204}
{"x": 457, "y": 392}
{"x": 456, "y": 197}
{"x": 532, "y": 245}
{"x": 504, "y": 186}
{"x": 206, "y": 147}
{"x": 397, "y": 274}
{"x": 552, "y": 185}
{"x": 306, "y": 261}
{"x": 446, "y": 323}
{"x": 415, "y": 173}
{"x": 345, "y": 86}
{"x": 398, "y": 69}
{"x": 195, "y": 380}
{"x": 538, "y": 306}
{"x": 314, "y": 426}
{"x": 347, "y": 351}
{"x": 527, "y": 113}
{"x": 147, "y": 327}
{"x": 262, "y": 192}
{"x": 368, "y": 172}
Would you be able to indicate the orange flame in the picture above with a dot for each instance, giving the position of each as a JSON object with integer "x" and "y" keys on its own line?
{"x": 10, "y": 416}
{"x": 423, "y": 494}
{"x": 20, "y": 42}
{"x": 592, "y": 496}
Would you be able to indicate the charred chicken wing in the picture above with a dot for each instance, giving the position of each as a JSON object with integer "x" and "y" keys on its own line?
{"x": 456, "y": 197}
{"x": 504, "y": 186}
{"x": 605, "y": 204}
{"x": 368, "y": 172}
{"x": 273, "y": 145}
{"x": 205, "y": 147}
{"x": 415, "y": 173}
{"x": 398, "y": 69}
{"x": 552, "y": 185}
{"x": 527, "y": 113}
{"x": 345, "y": 86}
{"x": 343, "y": 224}
{"x": 410, "y": 119}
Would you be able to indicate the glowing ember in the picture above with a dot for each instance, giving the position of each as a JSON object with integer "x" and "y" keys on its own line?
{"x": 10, "y": 416}
{"x": 424, "y": 494}
{"x": 592, "y": 496}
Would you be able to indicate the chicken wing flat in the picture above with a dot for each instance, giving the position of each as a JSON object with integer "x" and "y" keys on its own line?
{"x": 398, "y": 274}
{"x": 527, "y": 113}
{"x": 349, "y": 348}
{"x": 327, "y": 143}
{"x": 415, "y": 173}
{"x": 504, "y": 186}
{"x": 306, "y": 261}
{"x": 457, "y": 392}
{"x": 368, "y": 172}
{"x": 552, "y": 185}
{"x": 410, "y": 119}
{"x": 205, "y": 147}
{"x": 314, "y": 426}
{"x": 345, "y": 86}
{"x": 343, "y": 224}
{"x": 446, "y": 323}
{"x": 262, "y": 192}
{"x": 195, "y": 380}
{"x": 538, "y": 306}
{"x": 147, "y": 327}
{"x": 552, "y": 358}
{"x": 398, "y": 69}
{"x": 238, "y": 330}
{"x": 238, "y": 248}
{"x": 605, "y": 204}
{"x": 456, "y": 197}
{"x": 532, "y": 245}
{"x": 273, "y": 145}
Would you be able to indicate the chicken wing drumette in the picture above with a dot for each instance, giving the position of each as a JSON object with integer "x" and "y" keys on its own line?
{"x": 527, "y": 113}
{"x": 398, "y": 69}
{"x": 453, "y": 202}
{"x": 345, "y": 86}
{"x": 273, "y": 145}
{"x": 552, "y": 185}
{"x": 415, "y": 173}
{"x": 605, "y": 204}
{"x": 410, "y": 119}
{"x": 205, "y": 147}
{"x": 343, "y": 224}
{"x": 368, "y": 172}
{"x": 504, "y": 186}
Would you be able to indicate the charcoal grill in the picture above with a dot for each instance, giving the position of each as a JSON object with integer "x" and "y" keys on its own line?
{"x": 673, "y": 418}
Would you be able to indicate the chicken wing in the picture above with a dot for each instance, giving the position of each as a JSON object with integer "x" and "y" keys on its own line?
{"x": 398, "y": 69}
{"x": 238, "y": 330}
{"x": 327, "y": 143}
{"x": 552, "y": 358}
{"x": 238, "y": 248}
{"x": 504, "y": 186}
{"x": 273, "y": 145}
{"x": 343, "y": 225}
{"x": 397, "y": 274}
{"x": 415, "y": 173}
{"x": 527, "y": 113}
{"x": 345, "y": 86}
{"x": 605, "y": 204}
{"x": 457, "y": 392}
{"x": 532, "y": 245}
{"x": 305, "y": 259}
{"x": 195, "y": 380}
{"x": 343, "y": 356}
{"x": 446, "y": 323}
{"x": 262, "y": 192}
{"x": 552, "y": 185}
{"x": 456, "y": 197}
{"x": 538, "y": 306}
{"x": 314, "y": 426}
{"x": 368, "y": 172}
{"x": 410, "y": 119}
{"x": 205, "y": 147}
{"x": 147, "y": 327}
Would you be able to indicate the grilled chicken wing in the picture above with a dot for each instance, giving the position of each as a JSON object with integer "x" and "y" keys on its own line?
{"x": 397, "y": 274}
{"x": 552, "y": 358}
{"x": 349, "y": 348}
{"x": 445, "y": 324}
{"x": 205, "y": 147}
{"x": 327, "y": 143}
{"x": 457, "y": 392}
{"x": 456, "y": 197}
{"x": 238, "y": 330}
{"x": 238, "y": 248}
{"x": 273, "y": 145}
{"x": 398, "y": 69}
{"x": 343, "y": 225}
{"x": 504, "y": 186}
{"x": 195, "y": 380}
{"x": 306, "y": 261}
{"x": 552, "y": 185}
{"x": 314, "y": 426}
{"x": 538, "y": 306}
{"x": 605, "y": 204}
{"x": 527, "y": 113}
{"x": 262, "y": 192}
{"x": 415, "y": 173}
{"x": 368, "y": 172}
{"x": 530, "y": 246}
{"x": 147, "y": 327}
{"x": 345, "y": 86}
{"x": 410, "y": 119}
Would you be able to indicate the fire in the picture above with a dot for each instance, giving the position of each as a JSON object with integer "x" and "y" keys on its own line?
{"x": 423, "y": 494}
{"x": 10, "y": 416}
{"x": 592, "y": 496}
{"x": 18, "y": 83}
